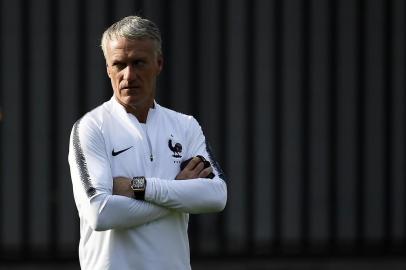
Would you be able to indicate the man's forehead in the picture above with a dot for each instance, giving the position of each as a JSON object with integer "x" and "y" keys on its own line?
{"x": 122, "y": 48}
{"x": 122, "y": 43}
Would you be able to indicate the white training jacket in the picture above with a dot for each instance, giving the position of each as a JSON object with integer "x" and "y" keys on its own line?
{"x": 118, "y": 232}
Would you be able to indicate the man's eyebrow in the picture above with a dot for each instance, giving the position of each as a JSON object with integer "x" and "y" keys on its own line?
{"x": 116, "y": 60}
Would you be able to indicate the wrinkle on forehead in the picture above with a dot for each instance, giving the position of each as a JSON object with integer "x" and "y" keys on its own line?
{"x": 129, "y": 48}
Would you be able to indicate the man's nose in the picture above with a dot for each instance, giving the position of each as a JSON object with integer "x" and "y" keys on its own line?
{"x": 129, "y": 73}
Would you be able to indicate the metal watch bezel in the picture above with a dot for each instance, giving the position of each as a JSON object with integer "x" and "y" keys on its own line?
{"x": 138, "y": 183}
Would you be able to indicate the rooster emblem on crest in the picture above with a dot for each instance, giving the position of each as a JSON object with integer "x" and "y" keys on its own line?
{"x": 176, "y": 149}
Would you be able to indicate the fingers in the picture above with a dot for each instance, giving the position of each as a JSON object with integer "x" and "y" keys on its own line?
{"x": 192, "y": 170}
{"x": 193, "y": 163}
{"x": 204, "y": 173}
{"x": 197, "y": 167}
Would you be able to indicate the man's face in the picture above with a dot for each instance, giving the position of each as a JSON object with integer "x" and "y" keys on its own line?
{"x": 133, "y": 66}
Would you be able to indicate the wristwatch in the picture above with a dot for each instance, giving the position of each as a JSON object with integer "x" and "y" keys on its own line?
{"x": 138, "y": 185}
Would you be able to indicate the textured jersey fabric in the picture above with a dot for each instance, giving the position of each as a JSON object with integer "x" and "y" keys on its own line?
{"x": 117, "y": 232}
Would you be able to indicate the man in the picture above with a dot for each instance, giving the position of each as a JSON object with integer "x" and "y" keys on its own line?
{"x": 133, "y": 198}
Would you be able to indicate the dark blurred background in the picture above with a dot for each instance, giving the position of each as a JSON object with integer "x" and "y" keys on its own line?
{"x": 303, "y": 102}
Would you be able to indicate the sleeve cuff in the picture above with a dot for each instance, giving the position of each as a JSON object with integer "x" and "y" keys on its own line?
{"x": 150, "y": 190}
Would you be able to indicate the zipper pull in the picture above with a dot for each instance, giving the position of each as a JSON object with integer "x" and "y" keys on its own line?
{"x": 151, "y": 157}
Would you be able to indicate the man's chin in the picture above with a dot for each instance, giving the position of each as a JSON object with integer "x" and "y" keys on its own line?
{"x": 133, "y": 102}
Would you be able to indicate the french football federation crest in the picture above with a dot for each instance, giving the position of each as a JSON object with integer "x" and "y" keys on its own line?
{"x": 176, "y": 149}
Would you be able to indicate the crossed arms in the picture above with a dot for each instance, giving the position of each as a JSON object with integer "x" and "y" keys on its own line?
{"x": 113, "y": 206}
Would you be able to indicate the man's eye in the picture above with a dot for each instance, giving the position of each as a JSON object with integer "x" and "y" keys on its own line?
{"x": 139, "y": 63}
{"x": 119, "y": 66}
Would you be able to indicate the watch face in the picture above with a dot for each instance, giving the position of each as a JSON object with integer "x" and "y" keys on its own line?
{"x": 138, "y": 183}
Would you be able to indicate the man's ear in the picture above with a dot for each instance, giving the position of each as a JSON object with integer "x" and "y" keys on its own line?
{"x": 160, "y": 62}
{"x": 108, "y": 70}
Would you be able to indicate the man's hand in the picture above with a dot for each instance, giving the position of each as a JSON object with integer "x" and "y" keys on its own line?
{"x": 122, "y": 186}
{"x": 194, "y": 169}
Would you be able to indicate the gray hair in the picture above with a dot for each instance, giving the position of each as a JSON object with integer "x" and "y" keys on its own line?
{"x": 132, "y": 27}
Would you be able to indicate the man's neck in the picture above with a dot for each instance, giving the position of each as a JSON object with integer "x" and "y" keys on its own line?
{"x": 141, "y": 113}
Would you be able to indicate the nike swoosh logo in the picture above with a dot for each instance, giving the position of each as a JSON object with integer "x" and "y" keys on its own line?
{"x": 119, "y": 152}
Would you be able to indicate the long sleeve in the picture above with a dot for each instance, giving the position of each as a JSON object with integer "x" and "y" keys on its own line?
{"x": 193, "y": 196}
{"x": 92, "y": 184}
{"x": 105, "y": 212}
{"x": 199, "y": 195}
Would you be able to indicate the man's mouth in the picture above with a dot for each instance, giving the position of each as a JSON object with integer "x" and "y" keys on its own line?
{"x": 130, "y": 88}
